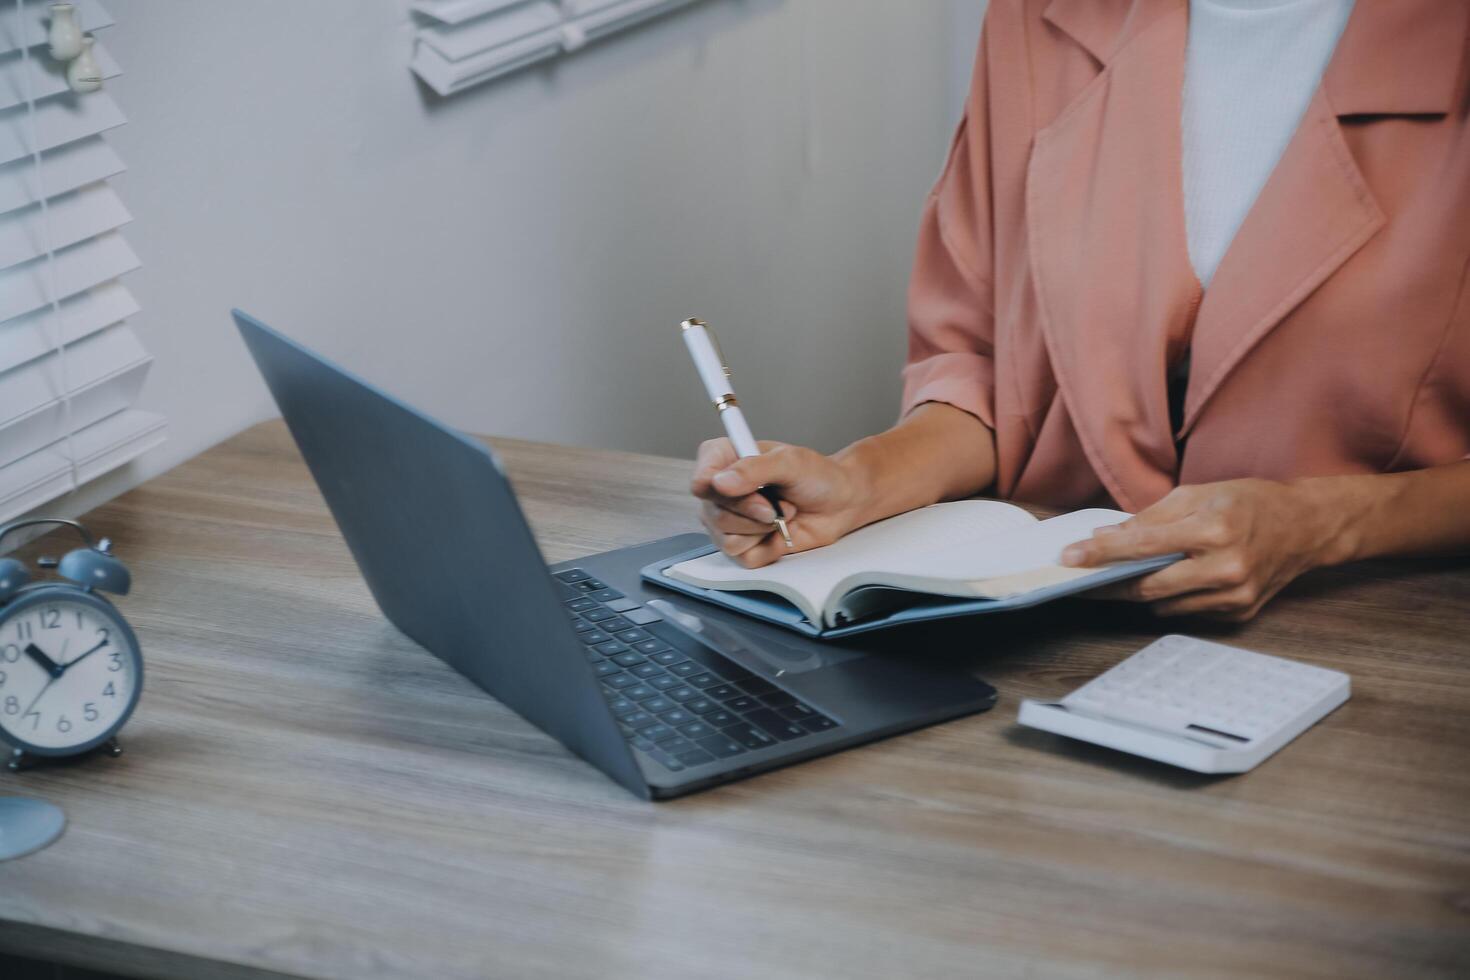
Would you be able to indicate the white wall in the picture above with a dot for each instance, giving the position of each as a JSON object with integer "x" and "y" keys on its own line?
{"x": 515, "y": 259}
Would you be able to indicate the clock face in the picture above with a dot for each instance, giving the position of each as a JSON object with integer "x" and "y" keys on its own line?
{"x": 69, "y": 672}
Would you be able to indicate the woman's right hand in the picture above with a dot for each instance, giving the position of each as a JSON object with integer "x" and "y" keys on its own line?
{"x": 820, "y": 496}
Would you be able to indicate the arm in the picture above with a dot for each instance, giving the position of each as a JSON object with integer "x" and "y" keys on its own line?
{"x": 1246, "y": 539}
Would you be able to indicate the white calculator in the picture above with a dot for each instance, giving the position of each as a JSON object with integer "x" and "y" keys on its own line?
{"x": 1196, "y": 704}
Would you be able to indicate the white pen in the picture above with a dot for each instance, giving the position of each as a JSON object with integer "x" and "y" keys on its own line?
{"x": 710, "y": 363}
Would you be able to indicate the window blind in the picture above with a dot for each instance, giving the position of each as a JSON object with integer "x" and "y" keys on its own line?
{"x": 464, "y": 42}
{"x": 71, "y": 367}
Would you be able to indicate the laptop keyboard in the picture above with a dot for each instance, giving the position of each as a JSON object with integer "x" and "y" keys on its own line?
{"x": 684, "y": 708}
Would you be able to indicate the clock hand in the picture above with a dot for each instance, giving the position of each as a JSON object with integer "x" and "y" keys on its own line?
{"x": 80, "y": 657}
{"x": 46, "y": 663}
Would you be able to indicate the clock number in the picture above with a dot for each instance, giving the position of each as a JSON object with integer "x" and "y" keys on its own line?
{"x": 22, "y": 630}
{"x": 109, "y": 691}
{"x": 116, "y": 658}
{"x": 79, "y": 619}
{"x": 12, "y": 705}
{"x": 103, "y": 632}
{"x": 89, "y": 710}
{"x": 35, "y": 717}
{"x": 63, "y": 725}
{"x": 51, "y": 619}
{"x": 10, "y": 653}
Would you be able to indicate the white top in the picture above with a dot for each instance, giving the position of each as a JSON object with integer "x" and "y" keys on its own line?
{"x": 1251, "y": 67}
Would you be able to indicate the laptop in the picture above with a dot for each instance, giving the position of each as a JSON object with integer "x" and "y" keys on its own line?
{"x": 662, "y": 693}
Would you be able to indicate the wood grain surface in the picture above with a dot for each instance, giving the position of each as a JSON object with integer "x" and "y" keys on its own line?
{"x": 307, "y": 793}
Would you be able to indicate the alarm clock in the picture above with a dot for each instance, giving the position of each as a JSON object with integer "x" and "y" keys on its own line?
{"x": 70, "y": 668}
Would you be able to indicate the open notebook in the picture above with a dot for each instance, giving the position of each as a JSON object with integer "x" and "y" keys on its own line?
{"x": 951, "y": 559}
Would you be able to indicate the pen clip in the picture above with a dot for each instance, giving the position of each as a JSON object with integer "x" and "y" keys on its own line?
{"x": 695, "y": 321}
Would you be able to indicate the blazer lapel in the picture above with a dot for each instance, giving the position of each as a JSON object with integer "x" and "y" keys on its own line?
{"x": 1316, "y": 210}
{"x": 1105, "y": 229}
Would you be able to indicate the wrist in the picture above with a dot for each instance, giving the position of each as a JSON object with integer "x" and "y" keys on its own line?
{"x": 863, "y": 463}
{"x": 1341, "y": 516}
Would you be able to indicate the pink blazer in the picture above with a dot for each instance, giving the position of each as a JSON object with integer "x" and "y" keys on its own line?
{"x": 1052, "y": 284}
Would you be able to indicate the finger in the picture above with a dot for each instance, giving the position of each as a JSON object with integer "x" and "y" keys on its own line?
{"x": 1174, "y": 505}
{"x": 735, "y": 522}
{"x": 778, "y": 466}
{"x": 734, "y": 545}
{"x": 1133, "y": 541}
{"x": 713, "y": 456}
{"x": 1211, "y": 572}
{"x": 752, "y": 507}
{"x": 1237, "y": 601}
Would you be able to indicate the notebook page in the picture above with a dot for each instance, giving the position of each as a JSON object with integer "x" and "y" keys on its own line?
{"x": 813, "y": 574}
{"x": 1030, "y": 554}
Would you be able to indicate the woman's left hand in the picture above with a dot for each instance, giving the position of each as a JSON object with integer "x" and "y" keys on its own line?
{"x": 1243, "y": 541}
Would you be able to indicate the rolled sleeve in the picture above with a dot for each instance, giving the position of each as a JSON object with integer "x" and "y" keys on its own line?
{"x": 951, "y": 322}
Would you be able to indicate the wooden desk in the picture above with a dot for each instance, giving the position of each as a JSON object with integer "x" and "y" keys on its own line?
{"x": 305, "y": 792}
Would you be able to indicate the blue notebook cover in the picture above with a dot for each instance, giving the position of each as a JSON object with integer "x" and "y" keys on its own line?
{"x": 774, "y": 609}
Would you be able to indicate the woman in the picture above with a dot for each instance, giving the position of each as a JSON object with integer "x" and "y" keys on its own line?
{"x": 1202, "y": 261}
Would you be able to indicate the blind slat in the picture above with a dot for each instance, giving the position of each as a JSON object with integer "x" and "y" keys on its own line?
{"x": 68, "y": 219}
{"x": 46, "y": 474}
{"x": 58, "y": 121}
{"x": 31, "y": 336}
{"x": 454, "y": 55}
{"x": 48, "y": 76}
{"x": 459, "y": 11}
{"x": 458, "y": 43}
{"x": 104, "y": 374}
{"x": 23, "y": 287}
{"x": 63, "y": 169}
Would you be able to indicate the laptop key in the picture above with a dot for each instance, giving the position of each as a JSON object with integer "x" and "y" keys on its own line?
{"x": 696, "y": 730}
{"x": 684, "y": 693}
{"x": 666, "y": 657}
{"x": 573, "y": 575}
{"x": 620, "y": 681}
{"x": 633, "y": 635}
{"x": 658, "y": 704}
{"x": 722, "y": 691}
{"x": 639, "y": 719}
{"x": 622, "y": 706}
{"x": 663, "y": 682}
{"x": 581, "y": 605}
{"x": 703, "y": 680}
{"x": 582, "y": 626}
{"x": 659, "y": 732}
{"x": 639, "y": 692}
{"x": 702, "y": 706}
{"x": 687, "y": 668}
{"x": 678, "y": 717}
{"x": 817, "y": 723}
{"x": 596, "y": 614}
{"x": 606, "y": 595}
{"x": 720, "y": 718}
{"x": 592, "y": 584}
{"x": 776, "y": 725}
{"x": 743, "y": 704}
{"x": 616, "y": 624}
{"x": 610, "y": 647}
{"x": 605, "y": 669}
{"x": 592, "y": 635}
{"x": 647, "y": 670}
{"x": 694, "y": 756}
{"x": 749, "y": 736}
{"x": 651, "y": 645}
{"x": 720, "y": 746}
{"x": 642, "y": 616}
{"x": 628, "y": 659}
{"x": 797, "y": 711}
